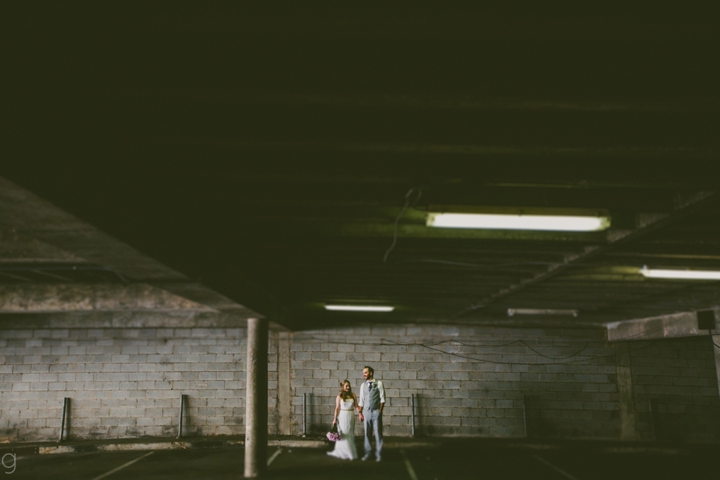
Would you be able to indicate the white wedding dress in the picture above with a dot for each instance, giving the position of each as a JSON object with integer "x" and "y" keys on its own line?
{"x": 345, "y": 446}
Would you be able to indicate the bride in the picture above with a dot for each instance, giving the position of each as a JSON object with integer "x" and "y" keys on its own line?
{"x": 345, "y": 408}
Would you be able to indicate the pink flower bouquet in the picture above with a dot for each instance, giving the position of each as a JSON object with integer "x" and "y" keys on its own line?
{"x": 333, "y": 436}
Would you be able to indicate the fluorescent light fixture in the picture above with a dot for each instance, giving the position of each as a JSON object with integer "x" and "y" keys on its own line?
{"x": 681, "y": 274}
{"x": 541, "y": 311}
{"x": 359, "y": 308}
{"x": 499, "y": 218}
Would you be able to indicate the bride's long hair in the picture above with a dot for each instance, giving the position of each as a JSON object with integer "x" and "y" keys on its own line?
{"x": 343, "y": 394}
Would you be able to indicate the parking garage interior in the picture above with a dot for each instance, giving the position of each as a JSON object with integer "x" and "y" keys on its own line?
{"x": 202, "y": 204}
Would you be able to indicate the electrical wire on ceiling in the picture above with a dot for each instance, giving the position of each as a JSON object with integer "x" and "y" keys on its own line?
{"x": 465, "y": 344}
{"x": 549, "y": 357}
{"x": 397, "y": 219}
{"x": 465, "y": 310}
{"x": 508, "y": 344}
{"x": 587, "y": 357}
{"x": 480, "y": 360}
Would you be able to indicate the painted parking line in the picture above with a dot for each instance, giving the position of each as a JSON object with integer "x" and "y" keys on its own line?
{"x": 410, "y": 469}
{"x": 274, "y": 456}
{"x": 557, "y": 469}
{"x": 122, "y": 466}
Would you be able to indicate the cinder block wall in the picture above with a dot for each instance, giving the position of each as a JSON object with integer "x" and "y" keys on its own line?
{"x": 680, "y": 375}
{"x": 468, "y": 381}
{"x": 123, "y": 382}
{"x": 481, "y": 381}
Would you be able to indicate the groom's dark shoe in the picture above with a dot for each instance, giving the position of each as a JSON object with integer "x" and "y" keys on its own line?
{"x": 367, "y": 455}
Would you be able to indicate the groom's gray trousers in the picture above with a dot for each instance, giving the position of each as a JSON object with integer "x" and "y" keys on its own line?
{"x": 373, "y": 421}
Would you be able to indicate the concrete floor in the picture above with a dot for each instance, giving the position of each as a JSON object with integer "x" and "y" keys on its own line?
{"x": 452, "y": 460}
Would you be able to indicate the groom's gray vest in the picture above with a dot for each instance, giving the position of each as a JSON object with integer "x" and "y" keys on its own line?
{"x": 371, "y": 397}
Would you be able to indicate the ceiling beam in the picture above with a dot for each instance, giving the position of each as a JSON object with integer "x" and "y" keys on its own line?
{"x": 437, "y": 101}
{"x": 74, "y": 297}
{"x": 683, "y": 324}
{"x": 686, "y": 205}
{"x": 540, "y": 152}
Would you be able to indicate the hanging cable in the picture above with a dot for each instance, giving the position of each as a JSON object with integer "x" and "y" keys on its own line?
{"x": 397, "y": 219}
{"x": 587, "y": 357}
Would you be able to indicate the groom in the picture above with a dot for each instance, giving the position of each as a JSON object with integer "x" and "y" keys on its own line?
{"x": 370, "y": 406}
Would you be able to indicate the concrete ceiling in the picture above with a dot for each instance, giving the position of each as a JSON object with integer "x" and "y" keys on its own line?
{"x": 267, "y": 153}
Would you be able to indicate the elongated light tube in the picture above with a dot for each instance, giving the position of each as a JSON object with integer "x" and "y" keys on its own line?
{"x": 569, "y": 223}
{"x": 541, "y": 311}
{"x": 681, "y": 274}
{"x": 359, "y": 308}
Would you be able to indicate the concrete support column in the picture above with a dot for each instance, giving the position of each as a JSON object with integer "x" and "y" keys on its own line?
{"x": 284, "y": 387}
{"x": 716, "y": 349}
{"x": 626, "y": 397}
{"x": 256, "y": 401}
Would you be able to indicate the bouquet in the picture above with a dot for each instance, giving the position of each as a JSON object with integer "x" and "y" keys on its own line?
{"x": 333, "y": 434}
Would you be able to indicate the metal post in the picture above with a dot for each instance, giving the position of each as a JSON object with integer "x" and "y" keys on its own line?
{"x": 65, "y": 417}
{"x": 715, "y": 339}
{"x": 412, "y": 413}
{"x": 183, "y": 400}
{"x": 655, "y": 418}
{"x": 304, "y": 430}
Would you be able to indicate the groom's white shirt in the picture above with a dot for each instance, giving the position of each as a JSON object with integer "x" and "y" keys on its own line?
{"x": 380, "y": 387}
